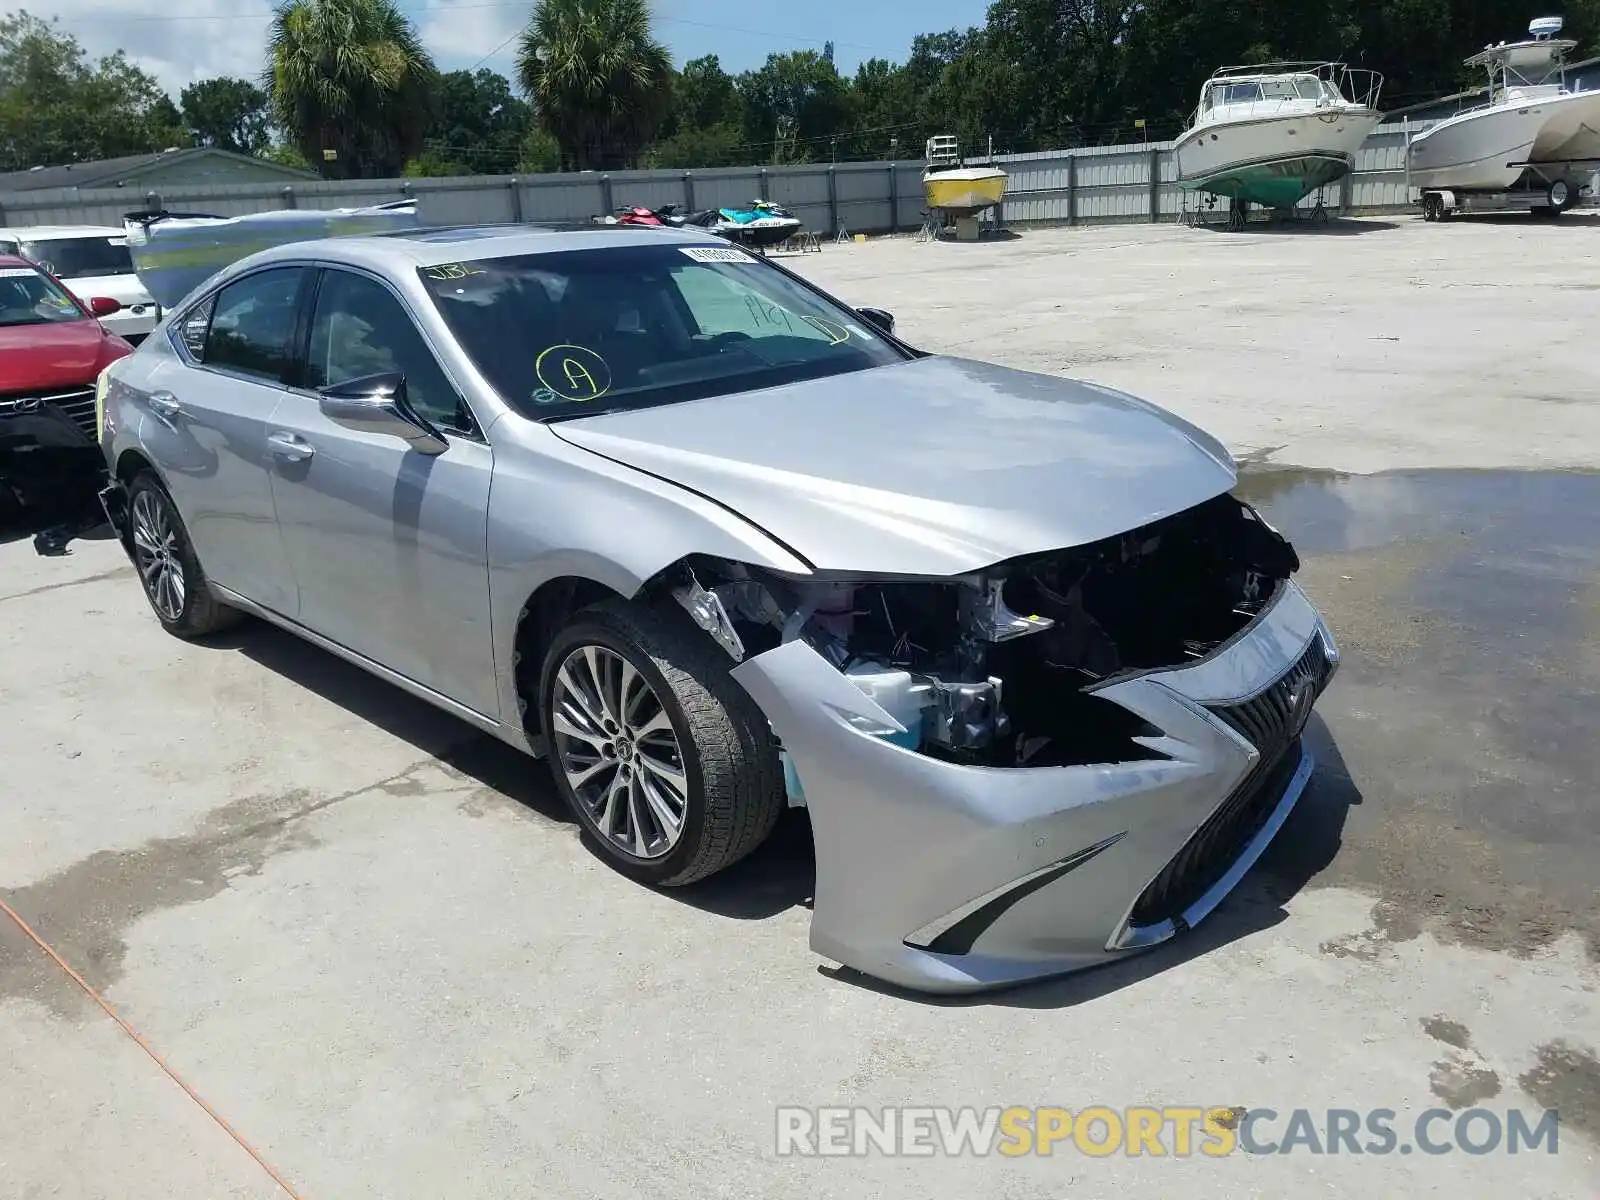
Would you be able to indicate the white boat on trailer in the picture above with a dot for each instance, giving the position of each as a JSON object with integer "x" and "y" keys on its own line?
{"x": 1272, "y": 134}
{"x": 1535, "y": 144}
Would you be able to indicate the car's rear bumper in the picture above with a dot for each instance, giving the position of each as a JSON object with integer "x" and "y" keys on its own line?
{"x": 133, "y": 324}
{"x": 942, "y": 877}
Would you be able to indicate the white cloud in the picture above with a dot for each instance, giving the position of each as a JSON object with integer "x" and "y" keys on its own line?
{"x": 461, "y": 33}
{"x": 178, "y": 44}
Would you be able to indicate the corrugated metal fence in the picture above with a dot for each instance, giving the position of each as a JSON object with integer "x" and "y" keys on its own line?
{"x": 1099, "y": 184}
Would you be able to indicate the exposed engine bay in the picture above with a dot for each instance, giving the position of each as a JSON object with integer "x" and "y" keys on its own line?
{"x": 991, "y": 668}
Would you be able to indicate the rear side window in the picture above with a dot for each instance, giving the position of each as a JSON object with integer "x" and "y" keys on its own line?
{"x": 81, "y": 257}
{"x": 193, "y": 326}
{"x": 252, "y": 324}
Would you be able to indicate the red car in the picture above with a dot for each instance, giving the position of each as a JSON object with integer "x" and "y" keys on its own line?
{"x": 52, "y": 349}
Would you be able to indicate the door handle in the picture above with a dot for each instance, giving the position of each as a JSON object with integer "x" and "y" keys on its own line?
{"x": 290, "y": 446}
{"x": 165, "y": 404}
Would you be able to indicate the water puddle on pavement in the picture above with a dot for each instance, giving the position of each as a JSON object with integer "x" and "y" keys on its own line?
{"x": 1457, "y": 748}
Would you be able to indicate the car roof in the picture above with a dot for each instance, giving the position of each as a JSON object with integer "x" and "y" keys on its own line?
{"x": 446, "y": 244}
{"x": 47, "y": 233}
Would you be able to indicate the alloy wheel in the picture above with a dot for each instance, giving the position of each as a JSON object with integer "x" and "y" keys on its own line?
{"x": 155, "y": 554}
{"x": 617, "y": 749}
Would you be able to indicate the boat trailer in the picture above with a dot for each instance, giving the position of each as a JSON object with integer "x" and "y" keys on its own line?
{"x": 1545, "y": 189}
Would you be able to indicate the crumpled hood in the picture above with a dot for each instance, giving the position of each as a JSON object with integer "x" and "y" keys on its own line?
{"x": 934, "y": 467}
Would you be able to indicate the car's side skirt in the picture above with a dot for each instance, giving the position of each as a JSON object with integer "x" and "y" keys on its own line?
{"x": 421, "y": 691}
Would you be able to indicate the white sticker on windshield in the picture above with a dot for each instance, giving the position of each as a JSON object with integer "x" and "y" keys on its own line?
{"x": 18, "y": 273}
{"x": 717, "y": 254}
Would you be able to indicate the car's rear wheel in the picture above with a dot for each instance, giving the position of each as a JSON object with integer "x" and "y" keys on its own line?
{"x": 663, "y": 758}
{"x": 173, "y": 581}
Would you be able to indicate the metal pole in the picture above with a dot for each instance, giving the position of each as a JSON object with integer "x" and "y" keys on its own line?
{"x": 1405, "y": 150}
{"x": 894, "y": 198}
{"x": 1072, "y": 189}
{"x": 833, "y": 200}
{"x": 1155, "y": 186}
{"x": 606, "y": 205}
{"x": 516, "y": 200}
{"x": 688, "y": 192}
{"x": 288, "y": 195}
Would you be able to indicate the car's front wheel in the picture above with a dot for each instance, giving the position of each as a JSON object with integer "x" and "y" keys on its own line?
{"x": 173, "y": 581}
{"x": 664, "y": 759}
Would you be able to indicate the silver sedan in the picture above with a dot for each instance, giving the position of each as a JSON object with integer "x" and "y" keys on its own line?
{"x": 716, "y": 544}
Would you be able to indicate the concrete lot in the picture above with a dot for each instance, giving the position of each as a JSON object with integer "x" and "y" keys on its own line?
{"x": 370, "y": 940}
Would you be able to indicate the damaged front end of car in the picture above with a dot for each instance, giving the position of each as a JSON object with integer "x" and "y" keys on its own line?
{"x": 1030, "y": 768}
{"x": 51, "y": 469}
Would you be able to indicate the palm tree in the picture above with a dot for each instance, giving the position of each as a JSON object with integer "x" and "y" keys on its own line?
{"x": 351, "y": 83}
{"x": 596, "y": 78}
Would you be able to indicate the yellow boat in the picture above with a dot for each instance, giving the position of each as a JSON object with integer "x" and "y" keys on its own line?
{"x": 953, "y": 187}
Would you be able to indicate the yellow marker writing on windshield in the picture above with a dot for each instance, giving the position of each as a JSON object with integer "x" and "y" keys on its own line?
{"x": 835, "y": 332}
{"x": 573, "y": 372}
{"x": 578, "y": 375}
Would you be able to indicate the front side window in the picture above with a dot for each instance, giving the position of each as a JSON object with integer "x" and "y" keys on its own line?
{"x": 1243, "y": 93}
{"x": 577, "y": 332}
{"x": 29, "y": 297}
{"x": 358, "y": 328}
{"x": 81, "y": 257}
{"x": 252, "y": 323}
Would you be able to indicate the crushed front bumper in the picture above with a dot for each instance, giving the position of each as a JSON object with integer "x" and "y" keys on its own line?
{"x": 948, "y": 878}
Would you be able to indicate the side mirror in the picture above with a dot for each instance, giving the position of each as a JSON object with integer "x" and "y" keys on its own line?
{"x": 104, "y": 306}
{"x": 877, "y": 316}
{"x": 377, "y": 404}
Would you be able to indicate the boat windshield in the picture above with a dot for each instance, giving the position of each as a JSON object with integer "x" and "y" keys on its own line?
{"x": 572, "y": 333}
{"x": 1292, "y": 87}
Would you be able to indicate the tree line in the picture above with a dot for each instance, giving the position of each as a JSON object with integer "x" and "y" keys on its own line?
{"x": 348, "y": 89}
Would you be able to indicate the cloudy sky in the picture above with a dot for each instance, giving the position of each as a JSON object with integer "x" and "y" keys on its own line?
{"x": 179, "y": 43}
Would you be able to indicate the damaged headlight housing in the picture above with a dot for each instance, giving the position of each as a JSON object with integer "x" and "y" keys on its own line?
{"x": 914, "y": 647}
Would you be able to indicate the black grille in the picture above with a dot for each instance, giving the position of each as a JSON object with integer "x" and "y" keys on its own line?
{"x": 76, "y": 403}
{"x": 1272, "y": 722}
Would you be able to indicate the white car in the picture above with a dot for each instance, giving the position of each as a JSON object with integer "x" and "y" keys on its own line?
{"x": 91, "y": 260}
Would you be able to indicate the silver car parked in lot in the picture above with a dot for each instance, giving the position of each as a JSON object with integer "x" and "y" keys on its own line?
{"x": 717, "y": 544}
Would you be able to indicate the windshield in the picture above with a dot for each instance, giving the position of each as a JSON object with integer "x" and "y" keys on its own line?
{"x": 28, "y": 297}
{"x": 81, "y": 258}
{"x": 584, "y": 331}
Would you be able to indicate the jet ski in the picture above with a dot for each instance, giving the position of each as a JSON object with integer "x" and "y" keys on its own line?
{"x": 761, "y": 225}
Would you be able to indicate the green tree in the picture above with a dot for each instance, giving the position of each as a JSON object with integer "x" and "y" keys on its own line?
{"x": 704, "y": 95}
{"x": 351, "y": 84}
{"x": 479, "y": 126}
{"x": 596, "y": 77}
{"x": 539, "y": 153}
{"x": 691, "y": 148}
{"x": 230, "y": 114}
{"x": 796, "y": 105}
{"x": 57, "y": 107}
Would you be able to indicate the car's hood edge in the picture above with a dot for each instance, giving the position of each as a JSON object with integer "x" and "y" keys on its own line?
{"x": 553, "y": 427}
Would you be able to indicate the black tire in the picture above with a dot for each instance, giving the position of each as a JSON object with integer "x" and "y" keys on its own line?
{"x": 735, "y": 791}
{"x": 201, "y": 613}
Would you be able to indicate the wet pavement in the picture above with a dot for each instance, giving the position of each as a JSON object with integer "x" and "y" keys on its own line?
{"x": 1458, "y": 744}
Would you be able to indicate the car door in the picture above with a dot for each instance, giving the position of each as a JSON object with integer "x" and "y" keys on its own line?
{"x": 388, "y": 545}
{"x": 207, "y": 429}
